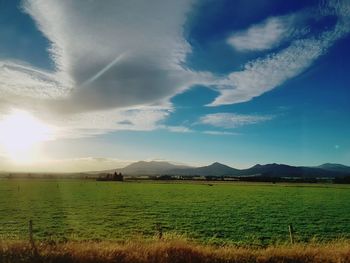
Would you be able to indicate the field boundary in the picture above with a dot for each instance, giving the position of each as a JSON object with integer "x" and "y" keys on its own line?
{"x": 172, "y": 251}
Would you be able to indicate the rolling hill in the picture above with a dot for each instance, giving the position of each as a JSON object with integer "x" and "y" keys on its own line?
{"x": 215, "y": 169}
{"x": 150, "y": 168}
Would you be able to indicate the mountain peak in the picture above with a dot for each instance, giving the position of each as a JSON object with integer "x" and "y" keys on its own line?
{"x": 217, "y": 164}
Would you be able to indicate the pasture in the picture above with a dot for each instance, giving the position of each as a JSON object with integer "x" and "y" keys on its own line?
{"x": 229, "y": 213}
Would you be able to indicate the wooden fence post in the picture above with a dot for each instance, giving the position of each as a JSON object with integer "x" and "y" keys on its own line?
{"x": 291, "y": 233}
{"x": 31, "y": 240}
{"x": 160, "y": 231}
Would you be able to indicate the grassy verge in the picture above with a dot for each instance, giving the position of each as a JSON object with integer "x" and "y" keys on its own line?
{"x": 171, "y": 251}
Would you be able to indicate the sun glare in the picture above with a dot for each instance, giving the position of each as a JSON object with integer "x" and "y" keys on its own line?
{"x": 20, "y": 134}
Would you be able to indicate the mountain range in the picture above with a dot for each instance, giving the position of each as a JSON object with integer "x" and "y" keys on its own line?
{"x": 218, "y": 169}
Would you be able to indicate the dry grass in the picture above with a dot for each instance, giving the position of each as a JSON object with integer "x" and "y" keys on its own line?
{"x": 172, "y": 251}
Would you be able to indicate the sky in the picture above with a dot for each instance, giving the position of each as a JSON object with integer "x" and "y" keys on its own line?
{"x": 89, "y": 85}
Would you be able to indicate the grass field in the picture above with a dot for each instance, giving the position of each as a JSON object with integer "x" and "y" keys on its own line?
{"x": 238, "y": 213}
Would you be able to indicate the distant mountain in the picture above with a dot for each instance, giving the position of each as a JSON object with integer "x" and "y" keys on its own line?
{"x": 269, "y": 170}
{"x": 150, "y": 168}
{"x": 335, "y": 167}
{"x": 218, "y": 169}
{"x": 283, "y": 170}
{"x": 215, "y": 169}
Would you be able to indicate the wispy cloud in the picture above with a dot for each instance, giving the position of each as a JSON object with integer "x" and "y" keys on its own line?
{"x": 266, "y": 35}
{"x": 106, "y": 121}
{"x": 232, "y": 120}
{"x": 100, "y": 122}
{"x": 179, "y": 129}
{"x": 264, "y": 74}
{"x": 23, "y": 80}
{"x": 219, "y": 133}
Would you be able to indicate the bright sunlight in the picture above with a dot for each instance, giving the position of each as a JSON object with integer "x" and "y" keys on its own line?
{"x": 20, "y": 134}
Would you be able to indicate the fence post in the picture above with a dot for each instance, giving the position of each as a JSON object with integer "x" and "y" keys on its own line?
{"x": 160, "y": 231}
{"x": 291, "y": 233}
{"x": 31, "y": 240}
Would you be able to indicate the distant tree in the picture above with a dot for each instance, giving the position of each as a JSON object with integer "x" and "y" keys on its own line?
{"x": 111, "y": 177}
{"x": 118, "y": 176}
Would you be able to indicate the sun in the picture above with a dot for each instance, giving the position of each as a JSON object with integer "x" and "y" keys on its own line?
{"x": 20, "y": 134}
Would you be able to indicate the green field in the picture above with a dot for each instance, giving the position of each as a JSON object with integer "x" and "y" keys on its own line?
{"x": 222, "y": 213}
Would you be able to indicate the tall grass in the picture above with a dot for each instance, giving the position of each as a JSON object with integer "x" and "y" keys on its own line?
{"x": 171, "y": 251}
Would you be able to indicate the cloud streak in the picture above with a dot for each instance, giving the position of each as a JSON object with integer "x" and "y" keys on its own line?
{"x": 232, "y": 120}
{"x": 264, "y": 74}
{"x": 88, "y": 124}
{"x": 220, "y": 133}
{"x": 23, "y": 80}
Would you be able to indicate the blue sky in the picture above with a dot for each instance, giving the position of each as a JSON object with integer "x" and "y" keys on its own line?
{"x": 239, "y": 82}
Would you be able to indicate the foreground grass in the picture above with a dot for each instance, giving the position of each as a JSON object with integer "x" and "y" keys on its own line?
{"x": 181, "y": 251}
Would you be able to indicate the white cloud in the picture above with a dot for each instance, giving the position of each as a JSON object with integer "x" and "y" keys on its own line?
{"x": 117, "y": 65}
{"x": 108, "y": 54}
{"x": 86, "y": 124}
{"x": 100, "y": 122}
{"x": 179, "y": 129}
{"x": 23, "y": 80}
{"x": 232, "y": 120}
{"x": 116, "y": 54}
{"x": 265, "y": 35}
{"x": 264, "y": 74}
